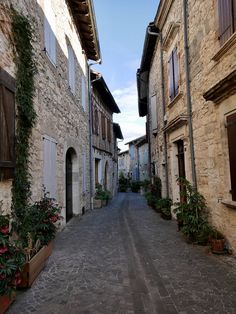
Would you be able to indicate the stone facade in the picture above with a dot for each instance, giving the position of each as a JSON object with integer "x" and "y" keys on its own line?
{"x": 62, "y": 112}
{"x": 212, "y": 98}
{"x": 104, "y": 138}
{"x": 124, "y": 163}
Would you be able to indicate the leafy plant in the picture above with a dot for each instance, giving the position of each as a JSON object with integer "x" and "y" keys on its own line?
{"x": 135, "y": 186}
{"x": 102, "y": 194}
{"x": 123, "y": 182}
{"x": 145, "y": 185}
{"x": 155, "y": 187}
{"x": 192, "y": 212}
{"x": 164, "y": 204}
{"x": 12, "y": 258}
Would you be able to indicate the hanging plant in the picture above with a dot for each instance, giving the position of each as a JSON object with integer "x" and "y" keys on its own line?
{"x": 22, "y": 36}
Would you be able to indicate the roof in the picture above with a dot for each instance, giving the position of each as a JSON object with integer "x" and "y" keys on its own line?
{"x": 136, "y": 141}
{"x": 84, "y": 17}
{"x": 117, "y": 131}
{"x": 104, "y": 91}
{"x": 142, "y": 72}
{"x": 124, "y": 152}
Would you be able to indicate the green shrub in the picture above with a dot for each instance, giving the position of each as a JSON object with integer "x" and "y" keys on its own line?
{"x": 123, "y": 183}
{"x": 102, "y": 194}
{"x": 135, "y": 186}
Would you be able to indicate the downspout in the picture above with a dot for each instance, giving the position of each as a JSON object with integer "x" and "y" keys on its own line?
{"x": 91, "y": 132}
{"x": 159, "y": 35}
{"x": 188, "y": 93}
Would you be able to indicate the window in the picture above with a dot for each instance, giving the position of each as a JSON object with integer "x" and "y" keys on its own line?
{"x": 231, "y": 130}
{"x": 173, "y": 75}
{"x": 108, "y": 131}
{"x": 103, "y": 126}
{"x": 49, "y": 166}
{"x": 7, "y": 125}
{"x": 96, "y": 122}
{"x": 83, "y": 92}
{"x": 84, "y": 172}
{"x": 49, "y": 31}
{"x": 154, "y": 112}
{"x": 227, "y": 19}
{"x": 71, "y": 68}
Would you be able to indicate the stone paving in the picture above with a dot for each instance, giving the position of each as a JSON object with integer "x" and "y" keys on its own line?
{"x": 125, "y": 259}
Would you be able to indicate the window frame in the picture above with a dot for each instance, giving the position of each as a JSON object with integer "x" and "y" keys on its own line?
{"x": 173, "y": 66}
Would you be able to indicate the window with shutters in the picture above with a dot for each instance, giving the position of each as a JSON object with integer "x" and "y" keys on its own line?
{"x": 173, "y": 74}
{"x": 7, "y": 125}
{"x": 109, "y": 131}
{"x": 49, "y": 31}
{"x": 71, "y": 68}
{"x": 103, "y": 123}
{"x": 96, "y": 122}
{"x": 83, "y": 92}
{"x": 50, "y": 166}
{"x": 154, "y": 112}
{"x": 231, "y": 130}
{"x": 227, "y": 19}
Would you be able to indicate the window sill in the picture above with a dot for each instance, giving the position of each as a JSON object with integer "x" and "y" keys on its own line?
{"x": 179, "y": 96}
{"x": 226, "y": 47}
{"x": 230, "y": 204}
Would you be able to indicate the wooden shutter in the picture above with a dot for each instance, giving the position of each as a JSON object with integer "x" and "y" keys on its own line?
{"x": 108, "y": 131}
{"x": 49, "y": 166}
{"x": 176, "y": 72}
{"x": 96, "y": 122}
{"x": 154, "y": 112}
{"x": 7, "y": 125}
{"x": 171, "y": 78}
{"x": 234, "y": 15}
{"x": 84, "y": 172}
{"x": 231, "y": 129}
{"x": 71, "y": 69}
{"x": 49, "y": 31}
{"x": 225, "y": 8}
{"x": 103, "y": 126}
{"x": 83, "y": 92}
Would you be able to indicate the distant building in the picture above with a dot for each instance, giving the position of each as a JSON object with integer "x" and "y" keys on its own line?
{"x": 105, "y": 134}
{"x": 124, "y": 163}
{"x": 138, "y": 159}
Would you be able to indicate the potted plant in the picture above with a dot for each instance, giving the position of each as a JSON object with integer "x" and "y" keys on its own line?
{"x": 135, "y": 186}
{"x": 12, "y": 259}
{"x": 101, "y": 197}
{"x": 164, "y": 205}
{"x": 123, "y": 182}
{"x": 217, "y": 241}
{"x": 36, "y": 230}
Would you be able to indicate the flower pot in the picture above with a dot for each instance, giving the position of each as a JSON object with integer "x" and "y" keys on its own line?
{"x": 5, "y": 302}
{"x": 217, "y": 245}
{"x": 32, "y": 269}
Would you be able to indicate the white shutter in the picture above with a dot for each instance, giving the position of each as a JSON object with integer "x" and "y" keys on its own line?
{"x": 71, "y": 68}
{"x": 49, "y": 166}
{"x": 83, "y": 92}
{"x": 49, "y": 31}
{"x": 154, "y": 112}
{"x": 84, "y": 172}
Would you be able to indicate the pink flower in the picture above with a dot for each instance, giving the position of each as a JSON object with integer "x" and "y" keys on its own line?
{"x": 3, "y": 249}
{"x": 54, "y": 218}
{"x": 4, "y": 230}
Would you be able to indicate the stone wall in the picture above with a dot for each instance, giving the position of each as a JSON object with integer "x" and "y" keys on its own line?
{"x": 60, "y": 113}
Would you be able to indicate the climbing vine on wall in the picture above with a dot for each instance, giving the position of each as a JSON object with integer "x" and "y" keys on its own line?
{"x": 22, "y": 36}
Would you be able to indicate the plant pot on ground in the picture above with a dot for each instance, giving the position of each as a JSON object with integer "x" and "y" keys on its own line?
{"x": 217, "y": 242}
{"x": 102, "y": 195}
{"x": 164, "y": 205}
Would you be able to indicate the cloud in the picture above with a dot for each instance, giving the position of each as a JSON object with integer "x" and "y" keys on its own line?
{"x": 132, "y": 126}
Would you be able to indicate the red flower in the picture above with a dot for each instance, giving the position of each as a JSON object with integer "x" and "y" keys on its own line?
{"x": 4, "y": 230}
{"x": 3, "y": 249}
{"x": 54, "y": 218}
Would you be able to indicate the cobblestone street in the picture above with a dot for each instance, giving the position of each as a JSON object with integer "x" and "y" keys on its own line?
{"x": 125, "y": 259}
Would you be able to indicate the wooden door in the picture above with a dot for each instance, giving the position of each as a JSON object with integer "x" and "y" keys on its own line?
{"x": 69, "y": 195}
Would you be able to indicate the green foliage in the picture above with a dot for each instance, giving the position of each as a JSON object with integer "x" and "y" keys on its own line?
{"x": 102, "y": 194}
{"x": 12, "y": 258}
{"x": 155, "y": 187}
{"x": 26, "y": 115}
{"x": 135, "y": 186}
{"x": 164, "y": 204}
{"x": 192, "y": 212}
{"x": 145, "y": 185}
{"x": 123, "y": 182}
{"x": 39, "y": 224}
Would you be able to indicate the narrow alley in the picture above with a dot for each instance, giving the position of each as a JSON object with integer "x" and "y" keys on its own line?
{"x": 125, "y": 259}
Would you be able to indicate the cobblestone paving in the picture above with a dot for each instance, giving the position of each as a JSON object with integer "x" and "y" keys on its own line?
{"x": 125, "y": 259}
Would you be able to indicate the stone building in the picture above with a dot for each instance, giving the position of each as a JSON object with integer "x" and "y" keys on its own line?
{"x": 123, "y": 163}
{"x": 186, "y": 87}
{"x": 138, "y": 159}
{"x": 65, "y": 39}
{"x": 105, "y": 134}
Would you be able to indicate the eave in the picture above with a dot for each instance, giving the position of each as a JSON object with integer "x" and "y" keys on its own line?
{"x": 117, "y": 131}
{"x": 84, "y": 17}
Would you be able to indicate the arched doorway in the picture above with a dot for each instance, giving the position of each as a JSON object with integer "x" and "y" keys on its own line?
{"x": 70, "y": 155}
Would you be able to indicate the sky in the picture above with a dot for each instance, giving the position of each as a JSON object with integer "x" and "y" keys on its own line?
{"x": 121, "y": 30}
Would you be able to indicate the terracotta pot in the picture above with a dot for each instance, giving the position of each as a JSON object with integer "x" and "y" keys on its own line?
{"x": 217, "y": 245}
{"x": 32, "y": 269}
{"x": 5, "y": 302}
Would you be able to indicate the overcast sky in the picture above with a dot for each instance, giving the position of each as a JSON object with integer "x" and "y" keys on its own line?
{"x": 121, "y": 29}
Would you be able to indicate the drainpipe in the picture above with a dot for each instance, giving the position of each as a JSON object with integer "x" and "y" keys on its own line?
{"x": 159, "y": 35}
{"x": 188, "y": 93}
{"x": 90, "y": 130}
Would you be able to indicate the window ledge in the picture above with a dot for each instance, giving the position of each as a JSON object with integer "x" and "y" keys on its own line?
{"x": 226, "y": 47}
{"x": 180, "y": 94}
{"x": 230, "y": 204}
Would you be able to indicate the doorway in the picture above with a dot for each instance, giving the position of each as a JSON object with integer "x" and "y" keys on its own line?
{"x": 69, "y": 183}
{"x": 181, "y": 168}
